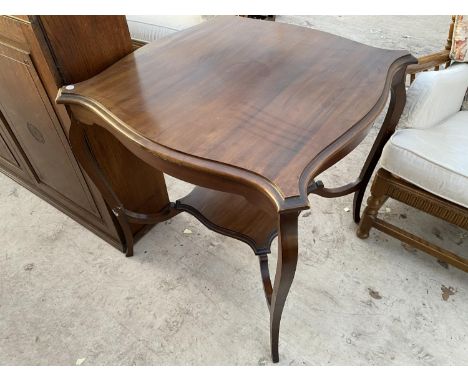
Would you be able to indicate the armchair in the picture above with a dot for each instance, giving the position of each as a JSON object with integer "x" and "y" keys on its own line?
{"x": 425, "y": 163}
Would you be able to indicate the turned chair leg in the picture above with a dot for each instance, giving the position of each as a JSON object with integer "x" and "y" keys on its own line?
{"x": 374, "y": 203}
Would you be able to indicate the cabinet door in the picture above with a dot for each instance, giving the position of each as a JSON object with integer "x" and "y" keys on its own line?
{"x": 5, "y": 152}
{"x": 10, "y": 152}
{"x": 27, "y": 110}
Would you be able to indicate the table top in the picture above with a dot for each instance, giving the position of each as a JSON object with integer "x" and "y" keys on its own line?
{"x": 264, "y": 103}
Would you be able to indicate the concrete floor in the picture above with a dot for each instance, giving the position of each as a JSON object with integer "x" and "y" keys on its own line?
{"x": 65, "y": 295}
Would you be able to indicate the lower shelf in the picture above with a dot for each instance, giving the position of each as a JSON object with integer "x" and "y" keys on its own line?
{"x": 232, "y": 215}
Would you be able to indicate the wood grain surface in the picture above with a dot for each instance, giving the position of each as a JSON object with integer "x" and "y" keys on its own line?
{"x": 266, "y": 98}
{"x": 84, "y": 46}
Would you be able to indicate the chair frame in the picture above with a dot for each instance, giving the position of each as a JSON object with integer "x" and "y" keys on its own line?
{"x": 433, "y": 61}
{"x": 387, "y": 185}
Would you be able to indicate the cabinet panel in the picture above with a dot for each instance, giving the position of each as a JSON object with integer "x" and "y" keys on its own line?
{"x": 10, "y": 31}
{"x": 5, "y": 152}
{"x": 26, "y": 108}
{"x": 10, "y": 153}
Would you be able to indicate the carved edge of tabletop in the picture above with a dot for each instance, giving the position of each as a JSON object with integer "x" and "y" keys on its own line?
{"x": 222, "y": 176}
{"x": 341, "y": 147}
{"x": 195, "y": 170}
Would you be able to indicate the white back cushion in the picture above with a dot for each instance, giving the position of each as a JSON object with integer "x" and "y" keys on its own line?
{"x": 435, "y": 96}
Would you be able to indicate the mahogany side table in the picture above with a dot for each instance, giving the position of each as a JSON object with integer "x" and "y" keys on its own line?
{"x": 250, "y": 112}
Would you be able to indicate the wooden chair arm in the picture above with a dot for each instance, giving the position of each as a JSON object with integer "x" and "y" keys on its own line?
{"x": 432, "y": 61}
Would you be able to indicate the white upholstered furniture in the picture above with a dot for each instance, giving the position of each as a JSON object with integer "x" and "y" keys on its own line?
{"x": 425, "y": 162}
{"x": 148, "y": 28}
{"x": 430, "y": 148}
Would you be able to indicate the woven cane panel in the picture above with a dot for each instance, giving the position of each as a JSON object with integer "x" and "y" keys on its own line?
{"x": 424, "y": 201}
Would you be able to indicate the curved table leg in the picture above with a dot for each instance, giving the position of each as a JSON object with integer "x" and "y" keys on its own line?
{"x": 81, "y": 150}
{"x": 265, "y": 273}
{"x": 86, "y": 159}
{"x": 127, "y": 232}
{"x": 285, "y": 270}
{"x": 397, "y": 104}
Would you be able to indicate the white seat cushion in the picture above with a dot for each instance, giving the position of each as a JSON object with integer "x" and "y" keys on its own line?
{"x": 149, "y": 28}
{"x": 435, "y": 159}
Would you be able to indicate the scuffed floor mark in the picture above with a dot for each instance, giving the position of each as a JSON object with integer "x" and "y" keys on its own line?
{"x": 54, "y": 234}
{"x": 374, "y": 294}
{"x": 436, "y": 232}
{"x": 263, "y": 361}
{"x": 443, "y": 264}
{"x": 409, "y": 248}
{"x": 421, "y": 353}
{"x": 14, "y": 193}
{"x": 459, "y": 240}
{"x": 29, "y": 267}
{"x": 447, "y": 292}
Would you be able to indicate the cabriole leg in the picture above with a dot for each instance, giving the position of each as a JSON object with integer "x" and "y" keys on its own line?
{"x": 395, "y": 108}
{"x": 285, "y": 270}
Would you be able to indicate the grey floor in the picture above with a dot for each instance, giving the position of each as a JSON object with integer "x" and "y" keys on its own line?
{"x": 65, "y": 295}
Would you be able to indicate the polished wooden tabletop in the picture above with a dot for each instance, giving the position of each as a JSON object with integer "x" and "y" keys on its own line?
{"x": 268, "y": 102}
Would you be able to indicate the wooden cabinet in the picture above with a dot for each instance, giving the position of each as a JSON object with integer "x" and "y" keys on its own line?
{"x": 29, "y": 114}
{"x": 34, "y": 149}
{"x": 8, "y": 158}
{"x": 6, "y": 154}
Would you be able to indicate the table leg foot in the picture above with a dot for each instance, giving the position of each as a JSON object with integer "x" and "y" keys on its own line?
{"x": 126, "y": 230}
{"x": 285, "y": 270}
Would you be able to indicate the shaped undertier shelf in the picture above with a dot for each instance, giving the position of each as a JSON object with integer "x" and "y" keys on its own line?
{"x": 232, "y": 215}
